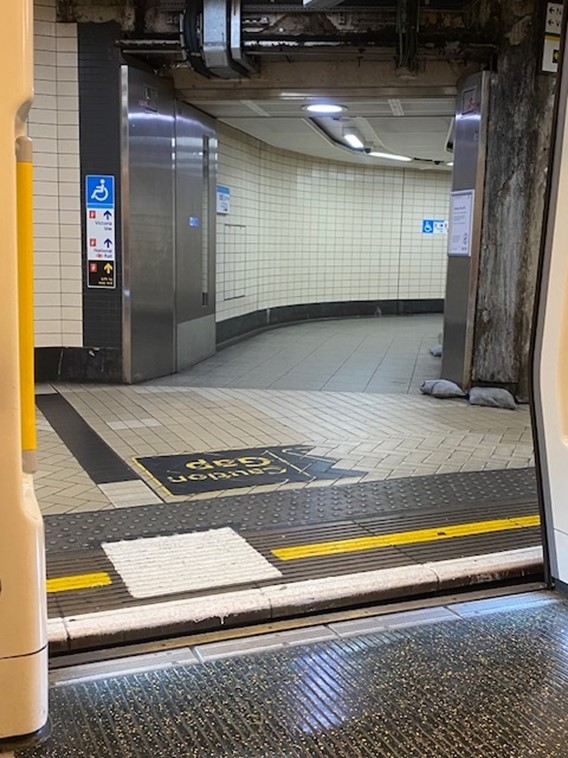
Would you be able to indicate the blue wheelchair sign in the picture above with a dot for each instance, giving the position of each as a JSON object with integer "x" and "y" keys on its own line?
{"x": 99, "y": 192}
{"x": 427, "y": 226}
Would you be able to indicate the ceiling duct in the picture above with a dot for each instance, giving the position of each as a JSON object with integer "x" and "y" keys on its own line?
{"x": 211, "y": 37}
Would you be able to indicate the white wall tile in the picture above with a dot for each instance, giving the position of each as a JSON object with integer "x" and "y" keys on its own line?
{"x": 67, "y": 44}
{"x": 71, "y": 286}
{"x": 69, "y": 160}
{"x": 43, "y": 299}
{"x": 53, "y": 126}
{"x": 42, "y": 41}
{"x": 71, "y": 299}
{"x": 43, "y": 71}
{"x": 69, "y": 118}
{"x": 67, "y": 30}
{"x": 47, "y": 340}
{"x": 38, "y": 130}
{"x": 44, "y": 13}
{"x": 47, "y": 286}
{"x": 317, "y": 231}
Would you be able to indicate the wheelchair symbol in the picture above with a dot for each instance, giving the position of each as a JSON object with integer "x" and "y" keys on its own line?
{"x": 100, "y": 193}
{"x": 427, "y": 227}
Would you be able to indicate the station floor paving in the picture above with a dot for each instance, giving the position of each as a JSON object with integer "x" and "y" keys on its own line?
{"x": 485, "y": 678}
{"x": 275, "y": 490}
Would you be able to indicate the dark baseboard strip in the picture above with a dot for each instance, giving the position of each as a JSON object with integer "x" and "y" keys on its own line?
{"x": 268, "y": 318}
{"x": 103, "y": 365}
{"x": 98, "y": 459}
{"x": 78, "y": 364}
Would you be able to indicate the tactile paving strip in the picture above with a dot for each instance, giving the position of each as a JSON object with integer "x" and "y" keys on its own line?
{"x": 490, "y": 685}
{"x": 115, "y": 595}
{"x": 264, "y": 511}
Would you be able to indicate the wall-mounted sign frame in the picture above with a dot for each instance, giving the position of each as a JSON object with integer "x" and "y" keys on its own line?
{"x": 461, "y": 222}
{"x": 551, "y": 43}
{"x": 100, "y": 231}
{"x": 223, "y": 200}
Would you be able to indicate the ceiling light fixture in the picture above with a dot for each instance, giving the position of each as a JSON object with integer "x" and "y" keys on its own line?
{"x": 450, "y": 163}
{"x": 324, "y": 109}
{"x": 353, "y": 140}
{"x": 390, "y": 156}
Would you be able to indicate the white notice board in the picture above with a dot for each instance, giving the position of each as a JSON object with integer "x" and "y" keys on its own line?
{"x": 552, "y": 30}
{"x": 223, "y": 200}
{"x": 461, "y": 222}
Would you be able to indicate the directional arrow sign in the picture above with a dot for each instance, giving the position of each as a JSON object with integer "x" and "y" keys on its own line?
{"x": 101, "y": 274}
{"x": 100, "y": 231}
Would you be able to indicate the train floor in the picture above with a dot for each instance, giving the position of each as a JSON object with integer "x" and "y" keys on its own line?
{"x": 297, "y": 471}
{"x": 485, "y": 678}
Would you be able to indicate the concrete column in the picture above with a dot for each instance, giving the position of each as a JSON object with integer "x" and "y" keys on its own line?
{"x": 520, "y": 116}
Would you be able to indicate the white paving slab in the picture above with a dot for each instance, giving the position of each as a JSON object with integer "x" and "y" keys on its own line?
{"x": 154, "y": 566}
{"x": 130, "y": 493}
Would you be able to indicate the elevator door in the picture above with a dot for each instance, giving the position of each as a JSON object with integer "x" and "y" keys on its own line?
{"x": 196, "y": 148}
{"x": 148, "y": 226}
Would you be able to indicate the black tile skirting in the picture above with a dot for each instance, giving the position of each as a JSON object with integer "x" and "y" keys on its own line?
{"x": 104, "y": 364}
{"x": 78, "y": 364}
{"x": 266, "y": 318}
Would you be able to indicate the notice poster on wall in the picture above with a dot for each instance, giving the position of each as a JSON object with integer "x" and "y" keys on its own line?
{"x": 223, "y": 200}
{"x": 552, "y": 29}
{"x": 461, "y": 220}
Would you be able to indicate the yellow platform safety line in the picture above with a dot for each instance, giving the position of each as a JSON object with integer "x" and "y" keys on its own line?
{"x": 372, "y": 542}
{"x": 78, "y": 582}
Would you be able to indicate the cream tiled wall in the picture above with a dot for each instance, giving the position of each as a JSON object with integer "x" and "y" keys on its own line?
{"x": 300, "y": 230}
{"x": 316, "y": 231}
{"x": 54, "y": 127}
{"x": 239, "y": 169}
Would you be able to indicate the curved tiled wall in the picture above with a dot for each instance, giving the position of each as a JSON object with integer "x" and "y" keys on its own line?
{"x": 303, "y": 230}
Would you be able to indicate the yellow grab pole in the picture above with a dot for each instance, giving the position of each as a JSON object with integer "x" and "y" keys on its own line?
{"x": 24, "y": 183}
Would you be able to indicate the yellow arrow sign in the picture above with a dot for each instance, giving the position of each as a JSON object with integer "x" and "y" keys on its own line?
{"x": 108, "y": 268}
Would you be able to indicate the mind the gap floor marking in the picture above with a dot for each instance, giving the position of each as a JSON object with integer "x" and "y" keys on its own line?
{"x": 191, "y": 473}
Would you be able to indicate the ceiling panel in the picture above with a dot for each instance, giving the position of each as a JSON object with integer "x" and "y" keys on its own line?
{"x": 411, "y": 125}
{"x": 421, "y": 132}
{"x": 440, "y": 106}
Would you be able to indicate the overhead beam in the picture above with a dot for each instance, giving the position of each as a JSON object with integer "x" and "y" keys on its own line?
{"x": 293, "y": 80}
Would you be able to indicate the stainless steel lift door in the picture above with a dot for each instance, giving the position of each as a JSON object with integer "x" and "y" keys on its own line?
{"x": 196, "y": 148}
{"x": 148, "y": 225}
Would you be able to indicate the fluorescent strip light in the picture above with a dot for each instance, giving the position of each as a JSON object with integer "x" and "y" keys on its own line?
{"x": 353, "y": 141}
{"x": 451, "y": 163}
{"x": 324, "y": 108}
{"x": 390, "y": 156}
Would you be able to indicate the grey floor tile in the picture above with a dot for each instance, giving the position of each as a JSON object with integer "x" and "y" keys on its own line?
{"x": 508, "y": 602}
{"x": 378, "y": 355}
{"x": 263, "y": 642}
{"x": 392, "y": 621}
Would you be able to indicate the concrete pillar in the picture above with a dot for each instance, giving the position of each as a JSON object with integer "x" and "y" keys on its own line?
{"x": 520, "y": 117}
